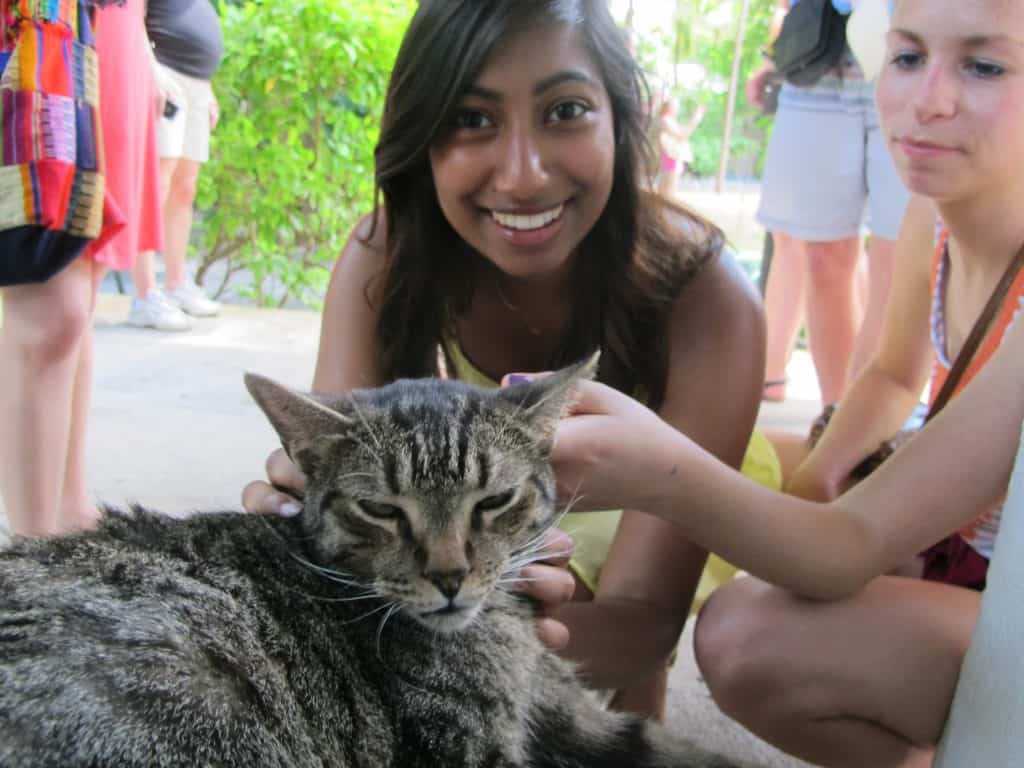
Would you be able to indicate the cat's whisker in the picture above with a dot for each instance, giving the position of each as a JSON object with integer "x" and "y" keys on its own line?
{"x": 369, "y": 449}
{"x": 337, "y": 576}
{"x": 555, "y": 521}
{"x": 366, "y": 426}
{"x": 525, "y": 558}
{"x": 536, "y": 550}
{"x": 368, "y": 614}
{"x": 533, "y": 545}
{"x": 567, "y": 507}
{"x": 517, "y": 566}
{"x": 319, "y": 599}
{"x": 353, "y": 599}
{"x": 380, "y": 629}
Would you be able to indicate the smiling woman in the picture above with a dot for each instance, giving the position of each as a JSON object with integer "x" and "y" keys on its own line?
{"x": 513, "y": 234}
{"x": 525, "y": 169}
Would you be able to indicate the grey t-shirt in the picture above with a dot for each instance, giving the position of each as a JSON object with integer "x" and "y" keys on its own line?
{"x": 186, "y": 36}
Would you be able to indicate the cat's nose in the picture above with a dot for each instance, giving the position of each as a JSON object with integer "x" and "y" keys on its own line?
{"x": 448, "y": 582}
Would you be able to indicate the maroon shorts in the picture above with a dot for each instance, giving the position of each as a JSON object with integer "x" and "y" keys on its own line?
{"x": 954, "y": 561}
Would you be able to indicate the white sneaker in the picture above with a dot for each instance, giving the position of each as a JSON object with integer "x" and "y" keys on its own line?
{"x": 189, "y": 297}
{"x": 154, "y": 311}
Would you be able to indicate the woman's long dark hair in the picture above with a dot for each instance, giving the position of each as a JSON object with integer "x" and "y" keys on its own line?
{"x": 634, "y": 261}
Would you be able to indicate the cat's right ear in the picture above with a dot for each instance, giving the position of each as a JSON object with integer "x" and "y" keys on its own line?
{"x": 545, "y": 399}
{"x": 300, "y": 421}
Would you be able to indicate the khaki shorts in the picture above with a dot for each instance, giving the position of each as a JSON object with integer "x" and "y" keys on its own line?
{"x": 827, "y": 173}
{"x": 187, "y": 134}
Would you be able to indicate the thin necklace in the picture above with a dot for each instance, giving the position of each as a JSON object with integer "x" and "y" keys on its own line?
{"x": 515, "y": 308}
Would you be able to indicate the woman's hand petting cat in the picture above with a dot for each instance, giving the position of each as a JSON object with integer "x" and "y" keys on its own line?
{"x": 611, "y": 452}
{"x": 265, "y": 498}
{"x": 549, "y": 582}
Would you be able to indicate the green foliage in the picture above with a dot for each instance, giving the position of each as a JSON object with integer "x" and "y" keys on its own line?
{"x": 301, "y": 91}
{"x": 703, "y": 37}
{"x": 750, "y": 129}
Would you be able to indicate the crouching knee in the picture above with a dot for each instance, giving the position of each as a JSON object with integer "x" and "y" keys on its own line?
{"x": 734, "y": 648}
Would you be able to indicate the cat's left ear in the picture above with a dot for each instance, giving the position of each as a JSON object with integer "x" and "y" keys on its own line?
{"x": 545, "y": 399}
{"x": 299, "y": 420}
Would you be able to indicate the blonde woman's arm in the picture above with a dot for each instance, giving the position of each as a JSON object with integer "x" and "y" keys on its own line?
{"x": 889, "y": 388}
{"x": 616, "y": 452}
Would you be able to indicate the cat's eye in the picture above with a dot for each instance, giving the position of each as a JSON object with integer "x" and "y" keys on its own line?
{"x": 491, "y": 503}
{"x": 380, "y": 510}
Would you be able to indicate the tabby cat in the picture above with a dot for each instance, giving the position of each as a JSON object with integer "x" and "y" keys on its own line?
{"x": 376, "y": 628}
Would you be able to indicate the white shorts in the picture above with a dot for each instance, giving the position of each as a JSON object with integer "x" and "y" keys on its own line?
{"x": 828, "y": 174}
{"x": 187, "y": 134}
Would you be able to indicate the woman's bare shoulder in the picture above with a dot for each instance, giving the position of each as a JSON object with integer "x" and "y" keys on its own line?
{"x": 370, "y": 233}
{"x": 349, "y": 355}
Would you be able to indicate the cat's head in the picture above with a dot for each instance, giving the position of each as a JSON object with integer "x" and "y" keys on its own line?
{"x": 427, "y": 492}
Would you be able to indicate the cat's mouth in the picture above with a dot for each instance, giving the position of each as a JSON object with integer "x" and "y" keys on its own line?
{"x": 449, "y": 609}
{"x": 450, "y": 618}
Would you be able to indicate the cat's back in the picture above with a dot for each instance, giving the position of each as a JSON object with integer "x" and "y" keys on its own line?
{"x": 196, "y": 636}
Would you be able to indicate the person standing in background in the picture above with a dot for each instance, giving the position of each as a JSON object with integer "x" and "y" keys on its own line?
{"x": 188, "y": 47}
{"x": 46, "y": 340}
{"x": 826, "y": 166}
{"x": 674, "y": 144}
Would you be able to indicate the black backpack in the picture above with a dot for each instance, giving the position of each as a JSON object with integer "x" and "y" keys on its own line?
{"x": 811, "y": 42}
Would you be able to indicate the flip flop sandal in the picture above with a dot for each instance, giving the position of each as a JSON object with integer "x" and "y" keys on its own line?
{"x": 770, "y": 393}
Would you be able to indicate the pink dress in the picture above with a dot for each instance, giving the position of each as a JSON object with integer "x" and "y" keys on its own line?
{"x": 129, "y": 134}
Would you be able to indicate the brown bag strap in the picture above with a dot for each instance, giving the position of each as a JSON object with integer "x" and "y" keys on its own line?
{"x": 995, "y": 301}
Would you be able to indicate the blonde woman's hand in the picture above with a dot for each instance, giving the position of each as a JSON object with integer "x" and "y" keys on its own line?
{"x": 611, "y": 452}
{"x": 807, "y": 482}
{"x": 264, "y": 497}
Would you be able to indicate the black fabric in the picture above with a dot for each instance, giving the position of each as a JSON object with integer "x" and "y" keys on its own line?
{"x": 34, "y": 254}
{"x": 811, "y": 43}
{"x": 186, "y": 36}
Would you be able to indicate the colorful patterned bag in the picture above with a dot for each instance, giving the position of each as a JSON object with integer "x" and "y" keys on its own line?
{"x": 52, "y": 200}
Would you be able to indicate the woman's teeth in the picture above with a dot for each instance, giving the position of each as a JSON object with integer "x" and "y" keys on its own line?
{"x": 535, "y": 221}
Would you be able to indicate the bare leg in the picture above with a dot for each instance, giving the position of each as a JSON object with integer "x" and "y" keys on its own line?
{"x": 666, "y": 184}
{"x": 43, "y": 325}
{"x": 77, "y": 511}
{"x": 864, "y": 681}
{"x": 647, "y": 697}
{"x": 144, "y": 274}
{"x": 832, "y": 316}
{"x": 881, "y": 256}
{"x": 783, "y": 307}
{"x": 178, "y": 207}
{"x": 144, "y": 271}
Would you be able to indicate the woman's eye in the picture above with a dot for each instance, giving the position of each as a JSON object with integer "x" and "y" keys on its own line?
{"x": 379, "y": 510}
{"x": 472, "y": 120}
{"x": 907, "y": 60}
{"x": 568, "y": 110}
{"x": 490, "y": 503}
{"x": 984, "y": 69}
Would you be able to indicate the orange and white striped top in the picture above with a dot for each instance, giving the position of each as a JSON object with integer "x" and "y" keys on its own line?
{"x": 980, "y": 534}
